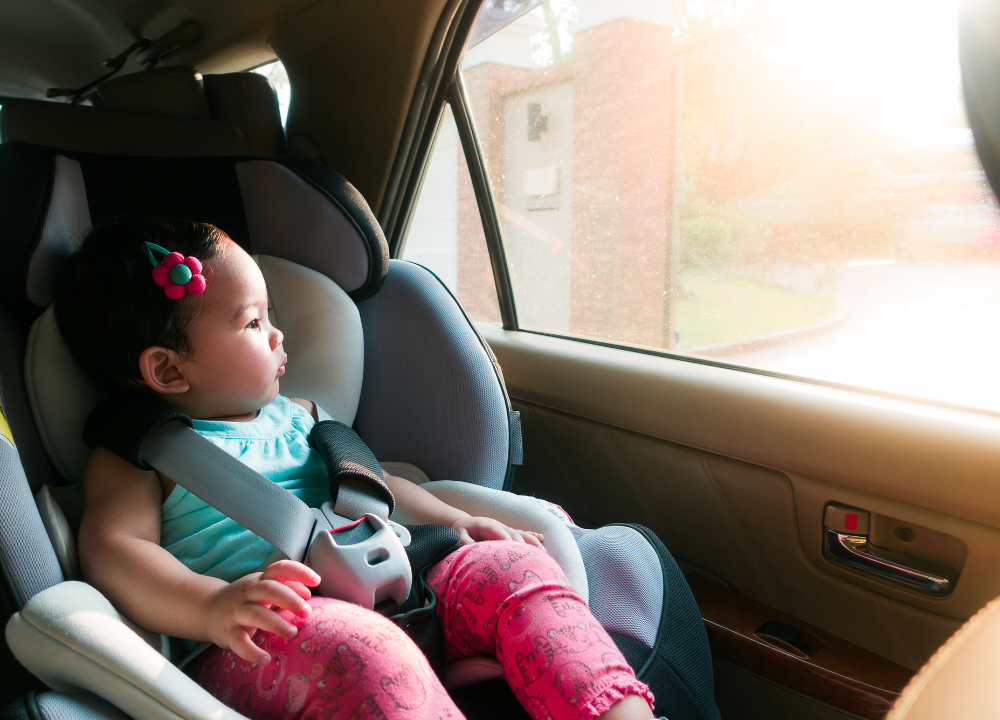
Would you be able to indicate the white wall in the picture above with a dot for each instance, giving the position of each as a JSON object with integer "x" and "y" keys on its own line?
{"x": 432, "y": 239}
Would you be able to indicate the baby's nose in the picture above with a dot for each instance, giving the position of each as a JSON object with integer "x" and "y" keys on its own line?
{"x": 276, "y": 338}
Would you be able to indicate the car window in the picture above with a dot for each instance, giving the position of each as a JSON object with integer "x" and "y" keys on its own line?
{"x": 777, "y": 184}
{"x": 275, "y": 72}
{"x": 446, "y": 232}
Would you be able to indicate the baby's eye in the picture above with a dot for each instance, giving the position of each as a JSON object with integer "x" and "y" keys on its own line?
{"x": 253, "y": 324}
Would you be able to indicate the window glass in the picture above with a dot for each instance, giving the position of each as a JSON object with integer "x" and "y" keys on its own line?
{"x": 778, "y": 184}
{"x": 446, "y": 233}
{"x": 275, "y": 72}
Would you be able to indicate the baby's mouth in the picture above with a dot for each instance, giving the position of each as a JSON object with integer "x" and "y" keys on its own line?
{"x": 281, "y": 370}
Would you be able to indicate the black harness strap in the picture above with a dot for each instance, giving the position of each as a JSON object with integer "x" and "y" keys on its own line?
{"x": 348, "y": 458}
{"x": 123, "y": 423}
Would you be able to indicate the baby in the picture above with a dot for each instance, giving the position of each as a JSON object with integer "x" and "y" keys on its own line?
{"x": 199, "y": 337}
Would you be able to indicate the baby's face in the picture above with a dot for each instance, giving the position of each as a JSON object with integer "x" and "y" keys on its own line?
{"x": 236, "y": 356}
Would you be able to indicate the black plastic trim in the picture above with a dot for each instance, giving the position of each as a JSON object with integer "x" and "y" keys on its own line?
{"x": 443, "y": 53}
{"x": 354, "y": 206}
{"x": 485, "y": 200}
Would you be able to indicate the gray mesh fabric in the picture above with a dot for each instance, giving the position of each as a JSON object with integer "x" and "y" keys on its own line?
{"x": 76, "y": 705}
{"x": 641, "y": 597}
{"x": 431, "y": 395}
{"x": 25, "y": 549}
{"x": 16, "y": 409}
{"x": 626, "y": 568}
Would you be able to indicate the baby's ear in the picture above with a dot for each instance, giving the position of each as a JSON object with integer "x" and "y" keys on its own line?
{"x": 160, "y": 368}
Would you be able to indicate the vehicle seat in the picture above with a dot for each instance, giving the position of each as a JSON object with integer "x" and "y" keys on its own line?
{"x": 430, "y": 393}
{"x": 329, "y": 219}
{"x": 960, "y": 680}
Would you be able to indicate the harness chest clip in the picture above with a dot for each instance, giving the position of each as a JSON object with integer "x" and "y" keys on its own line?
{"x": 365, "y": 572}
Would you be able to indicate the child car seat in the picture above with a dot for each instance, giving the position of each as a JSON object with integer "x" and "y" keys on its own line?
{"x": 430, "y": 394}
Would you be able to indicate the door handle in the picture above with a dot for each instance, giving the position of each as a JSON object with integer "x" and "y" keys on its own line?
{"x": 856, "y": 552}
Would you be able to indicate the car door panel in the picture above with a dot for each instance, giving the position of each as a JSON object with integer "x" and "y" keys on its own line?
{"x": 732, "y": 470}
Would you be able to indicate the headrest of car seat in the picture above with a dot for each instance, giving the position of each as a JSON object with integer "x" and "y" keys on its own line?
{"x": 294, "y": 209}
{"x": 323, "y": 338}
{"x": 175, "y": 91}
{"x": 248, "y": 101}
{"x": 166, "y": 112}
{"x": 245, "y": 100}
{"x": 89, "y": 129}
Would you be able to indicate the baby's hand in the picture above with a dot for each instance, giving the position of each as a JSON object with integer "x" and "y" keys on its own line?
{"x": 476, "y": 529}
{"x": 236, "y": 610}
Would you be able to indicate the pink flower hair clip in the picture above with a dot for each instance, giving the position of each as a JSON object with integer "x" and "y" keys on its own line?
{"x": 176, "y": 274}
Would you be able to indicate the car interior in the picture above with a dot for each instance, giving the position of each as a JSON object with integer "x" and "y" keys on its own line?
{"x": 676, "y": 266}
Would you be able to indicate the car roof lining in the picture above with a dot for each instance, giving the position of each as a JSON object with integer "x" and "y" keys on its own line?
{"x": 353, "y": 66}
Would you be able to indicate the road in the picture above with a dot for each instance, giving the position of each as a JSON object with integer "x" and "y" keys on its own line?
{"x": 927, "y": 330}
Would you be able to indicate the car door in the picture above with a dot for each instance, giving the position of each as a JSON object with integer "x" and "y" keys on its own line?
{"x": 739, "y": 263}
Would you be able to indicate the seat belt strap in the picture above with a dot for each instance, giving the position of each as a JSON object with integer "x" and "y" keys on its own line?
{"x": 148, "y": 433}
{"x": 211, "y": 474}
{"x": 257, "y": 503}
{"x": 355, "y": 498}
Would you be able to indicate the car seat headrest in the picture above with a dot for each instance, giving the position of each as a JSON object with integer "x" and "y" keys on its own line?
{"x": 294, "y": 209}
{"x": 248, "y": 101}
{"x": 89, "y": 129}
{"x": 323, "y": 338}
{"x": 166, "y": 112}
{"x": 175, "y": 91}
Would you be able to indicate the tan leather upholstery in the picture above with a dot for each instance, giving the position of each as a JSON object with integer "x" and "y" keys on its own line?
{"x": 172, "y": 91}
{"x": 97, "y": 130}
{"x": 247, "y": 101}
{"x": 962, "y": 680}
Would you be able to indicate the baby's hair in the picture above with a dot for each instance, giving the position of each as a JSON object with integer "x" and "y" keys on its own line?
{"x": 107, "y": 305}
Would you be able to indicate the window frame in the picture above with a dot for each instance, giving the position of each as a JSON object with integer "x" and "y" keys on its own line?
{"x": 452, "y": 91}
{"x": 484, "y": 199}
{"x": 441, "y": 62}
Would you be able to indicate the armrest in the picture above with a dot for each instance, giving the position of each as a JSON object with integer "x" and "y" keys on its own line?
{"x": 71, "y": 637}
{"x": 519, "y": 513}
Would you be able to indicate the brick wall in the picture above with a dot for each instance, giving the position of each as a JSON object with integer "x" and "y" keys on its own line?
{"x": 622, "y": 187}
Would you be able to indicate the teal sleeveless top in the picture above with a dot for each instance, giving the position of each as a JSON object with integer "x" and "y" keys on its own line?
{"x": 275, "y": 444}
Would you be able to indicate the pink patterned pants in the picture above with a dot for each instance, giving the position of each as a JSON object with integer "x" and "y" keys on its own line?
{"x": 501, "y": 599}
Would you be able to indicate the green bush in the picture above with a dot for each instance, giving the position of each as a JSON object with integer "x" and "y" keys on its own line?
{"x": 706, "y": 240}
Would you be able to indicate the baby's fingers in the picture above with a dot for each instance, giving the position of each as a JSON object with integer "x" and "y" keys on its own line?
{"x": 276, "y": 593}
{"x": 241, "y": 644}
{"x": 301, "y": 590}
{"x": 291, "y": 571}
{"x": 496, "y": 531}
{"x": 533, "y": 539}
{"x": 254, "y": 615}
